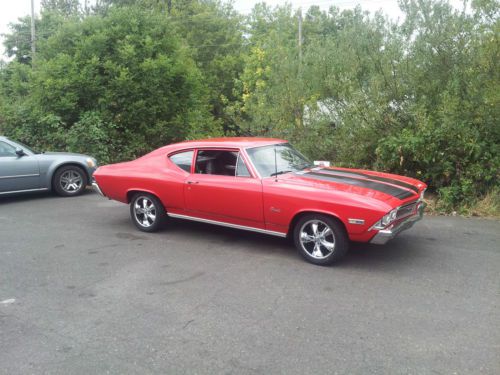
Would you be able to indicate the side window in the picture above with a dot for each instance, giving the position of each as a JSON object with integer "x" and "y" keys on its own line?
{"x": 7, "y": 150}
{"x": 183, "y": 160}
{"x": 241, "y": 168}
{"x": 216, "y": 162}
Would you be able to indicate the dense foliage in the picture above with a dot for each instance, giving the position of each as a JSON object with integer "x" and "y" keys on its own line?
{"x": 420, "y": 98}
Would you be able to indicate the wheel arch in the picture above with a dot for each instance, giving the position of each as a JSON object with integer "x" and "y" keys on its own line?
{"x": 301, "y": 214}
{"x": 133, "y": 191}
{"x": 68, "y": 164}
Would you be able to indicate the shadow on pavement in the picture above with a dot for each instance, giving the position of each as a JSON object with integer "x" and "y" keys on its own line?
{"x": 397, "y": 253}
{"x": 39, "y": 195}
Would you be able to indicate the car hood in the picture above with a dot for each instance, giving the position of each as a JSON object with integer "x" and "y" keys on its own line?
{"x": 377, "y": 185}
{"x": 72, "y": 154}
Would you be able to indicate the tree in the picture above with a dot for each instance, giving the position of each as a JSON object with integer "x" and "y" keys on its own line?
{"x": 18, "y": 42}
{"x": 65, "y": 8}
{"x": 214, "y": 33}
{"x": 418, "y": 98}
{"x": 124, "y": 77}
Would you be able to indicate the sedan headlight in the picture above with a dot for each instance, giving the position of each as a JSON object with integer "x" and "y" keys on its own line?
{"x": 91, "y": 163}
{"x": 386, "y": 220}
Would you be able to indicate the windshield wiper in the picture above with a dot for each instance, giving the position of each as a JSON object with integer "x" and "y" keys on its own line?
{"x": 305, "y": 166}
{"x": 280, "y": 172}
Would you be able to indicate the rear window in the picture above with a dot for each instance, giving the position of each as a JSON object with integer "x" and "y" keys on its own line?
{"x": 183, "y": 160}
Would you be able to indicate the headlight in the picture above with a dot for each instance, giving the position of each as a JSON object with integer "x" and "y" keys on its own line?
{"x": 386, "y": 220}
{"x": 91, "y": 163}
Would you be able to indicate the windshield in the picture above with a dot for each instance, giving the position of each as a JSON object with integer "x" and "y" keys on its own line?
{"x": 285, "y": 159}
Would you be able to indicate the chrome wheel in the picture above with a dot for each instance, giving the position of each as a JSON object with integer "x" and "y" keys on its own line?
{"x": 71, "y": 181}
{"x": 144, "y": 211}
{"x": 317, "y": 239}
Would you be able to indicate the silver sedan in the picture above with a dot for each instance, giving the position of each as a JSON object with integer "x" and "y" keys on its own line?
{"x": 23, "y": 169}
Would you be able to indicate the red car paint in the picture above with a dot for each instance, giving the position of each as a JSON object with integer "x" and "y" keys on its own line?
{"x": 265, "y": 204}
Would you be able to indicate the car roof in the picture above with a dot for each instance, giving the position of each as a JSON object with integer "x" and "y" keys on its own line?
{"x": 229, "y": 142}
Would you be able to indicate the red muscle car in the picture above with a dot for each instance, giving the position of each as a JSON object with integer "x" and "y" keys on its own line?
{"x": 264, "y": 185}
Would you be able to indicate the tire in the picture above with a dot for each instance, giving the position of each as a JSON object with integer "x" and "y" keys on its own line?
{"x": 69, "y": 181}
{"x": 324, "y": 245}
{"x": 147, "y": 212}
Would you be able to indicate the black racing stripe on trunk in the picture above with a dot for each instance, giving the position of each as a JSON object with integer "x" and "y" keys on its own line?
{"x": 384, "y": 188}
{"x": 377, "y": 178}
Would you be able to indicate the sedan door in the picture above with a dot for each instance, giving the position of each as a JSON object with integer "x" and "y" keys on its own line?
{"x": 17, "y": 172}
{"x": 222, "y": 188}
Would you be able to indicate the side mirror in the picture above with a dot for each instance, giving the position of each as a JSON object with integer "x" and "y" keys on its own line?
{"x": 20, "y": 152}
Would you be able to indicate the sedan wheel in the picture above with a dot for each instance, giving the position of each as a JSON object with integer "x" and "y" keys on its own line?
{"x": 148, "y": 214}
{"x": 69, "y": 181}
{"x": 320, "y": 239}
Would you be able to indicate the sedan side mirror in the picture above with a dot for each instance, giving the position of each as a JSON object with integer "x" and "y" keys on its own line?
{"x": 20, "y": 152}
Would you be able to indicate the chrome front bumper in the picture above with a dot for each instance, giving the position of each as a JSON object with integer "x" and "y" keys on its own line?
{"x": 387, "y": 234}
{"x": 97, "y": 188}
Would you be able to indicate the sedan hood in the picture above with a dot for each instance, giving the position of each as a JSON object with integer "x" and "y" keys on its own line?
{"x": 64, "y": 154}
{"x": 381, "y": 186}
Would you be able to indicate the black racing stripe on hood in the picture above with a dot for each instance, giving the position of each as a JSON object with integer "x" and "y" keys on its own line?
{"x": 377, "y": 178}
{"x": 384, "y": 188}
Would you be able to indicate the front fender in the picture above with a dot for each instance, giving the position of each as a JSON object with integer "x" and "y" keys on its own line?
{"x": 49, "y": 167}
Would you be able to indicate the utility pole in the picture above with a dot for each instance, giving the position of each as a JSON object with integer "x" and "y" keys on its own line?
{"x": 300, "y": 115}
{"x": 300, "y": 34}
{"x": 300, "y": 39}
{"x": 33, "y": 47}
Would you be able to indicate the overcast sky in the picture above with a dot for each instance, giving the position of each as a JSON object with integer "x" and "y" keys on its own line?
{"x": 11, "y": 10}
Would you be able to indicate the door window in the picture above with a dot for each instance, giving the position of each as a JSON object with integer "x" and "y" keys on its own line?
{"x": 220, "y": 162}
{"x": 7, "y": 150}
{"x": 183, "y": 160}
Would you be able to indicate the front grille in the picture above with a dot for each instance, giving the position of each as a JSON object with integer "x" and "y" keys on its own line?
{"x": 407, "y": 210}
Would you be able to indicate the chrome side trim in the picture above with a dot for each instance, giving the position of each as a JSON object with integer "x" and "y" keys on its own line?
{"x": 22, "y": 191}
{"x": 97, "y": 188}
{"x": 223, "y": 224}
{"x": 19, "y": 176}
{"x": 356, "y": 221}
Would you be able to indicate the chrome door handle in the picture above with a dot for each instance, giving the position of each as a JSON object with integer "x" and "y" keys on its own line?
{"x": 192, "y": 182}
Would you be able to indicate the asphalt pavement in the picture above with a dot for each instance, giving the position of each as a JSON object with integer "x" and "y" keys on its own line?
{"x": 84, "y": 292}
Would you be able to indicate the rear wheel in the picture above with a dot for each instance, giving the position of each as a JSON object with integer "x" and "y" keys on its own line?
{"x": 147, "y": 212}
{"x": 320, "y": 239}
{"x": 69, "y": 181}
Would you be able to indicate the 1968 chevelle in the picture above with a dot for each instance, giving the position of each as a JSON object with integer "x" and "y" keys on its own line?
{"x": 264, "y": 185}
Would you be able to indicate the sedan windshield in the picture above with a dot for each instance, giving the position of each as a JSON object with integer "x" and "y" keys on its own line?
{"x": 277, "y": 159}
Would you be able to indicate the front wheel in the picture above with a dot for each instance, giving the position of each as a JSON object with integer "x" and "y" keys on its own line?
{"x": 147, "y": 212}
{"x": 69, "y": 181}
{"x": 320, "y": 239}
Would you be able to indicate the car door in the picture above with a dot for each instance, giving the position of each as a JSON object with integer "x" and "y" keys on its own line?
{"x": 17, "y": 172}
{"x": 222, "y": 188}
